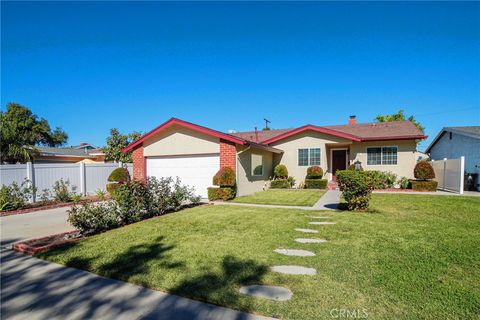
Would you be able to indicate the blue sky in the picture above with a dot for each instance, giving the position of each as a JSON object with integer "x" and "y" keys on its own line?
{"x": 91, "y": 66}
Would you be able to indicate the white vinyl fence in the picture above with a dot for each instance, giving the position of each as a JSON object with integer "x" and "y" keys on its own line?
{"x": 86, "y": 177}
{"x": 449, "y": 173}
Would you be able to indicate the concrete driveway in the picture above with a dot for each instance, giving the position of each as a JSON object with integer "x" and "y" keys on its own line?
{"x": 33, "y": 225}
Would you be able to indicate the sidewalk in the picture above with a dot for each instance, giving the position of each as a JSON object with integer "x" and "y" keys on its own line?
{"x": 36, "y": 289}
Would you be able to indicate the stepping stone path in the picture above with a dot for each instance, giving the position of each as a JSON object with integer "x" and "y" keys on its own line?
{"x": 297, "y": 270}
{"x": 317, "y": 217}
{"x": 322, "y": 222}
{"x": 306, "y": 230}
{"x": 295, "y": 252}
{"x": 267, "y": 292}
{"x": 306, "y": 240}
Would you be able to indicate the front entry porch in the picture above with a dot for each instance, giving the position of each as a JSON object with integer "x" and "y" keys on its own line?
{"x": 338, "y": 159}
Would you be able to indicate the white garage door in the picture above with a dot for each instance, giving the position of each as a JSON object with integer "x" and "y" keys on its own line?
{"x": 195, "y": 171}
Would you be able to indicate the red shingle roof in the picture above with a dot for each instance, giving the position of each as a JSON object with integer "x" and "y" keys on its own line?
{"x": 362, "y": 131}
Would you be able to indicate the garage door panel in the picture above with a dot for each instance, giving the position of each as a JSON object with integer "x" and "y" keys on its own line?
{"x": 194, "y": 171}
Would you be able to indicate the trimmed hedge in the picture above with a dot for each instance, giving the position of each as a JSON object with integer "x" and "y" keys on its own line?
{"x": 225, "y": 177}
{"x": 314, "y": 172}
{"x": 280, "y": 171}
{"x": 423, "y": 170}
{"x": 316, "y": 183}
{"x": 381, "y": 179}
{"x": 356, "y": 188}
{"x": 225, "y": 193}
{"x": 424, "y": 185}
{"x": 280, "y": 184}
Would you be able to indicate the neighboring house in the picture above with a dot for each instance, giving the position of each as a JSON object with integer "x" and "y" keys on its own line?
{"x": 454, "y": 142}
{"x": 195, "y": 153}
{"x": 84, "y": 152}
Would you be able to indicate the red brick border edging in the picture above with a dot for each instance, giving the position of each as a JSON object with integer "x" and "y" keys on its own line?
{"x": 27, "y": 248}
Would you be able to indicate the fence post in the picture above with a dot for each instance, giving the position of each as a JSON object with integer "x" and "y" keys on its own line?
{"x": 83, "y": 188}
{"x": 32, "y": 180}
{"x": 462, "y": 173}
{"x": 444, "y": 172}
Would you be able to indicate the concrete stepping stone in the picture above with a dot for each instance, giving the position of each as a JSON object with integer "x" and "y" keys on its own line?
{"x": 318, "y": 217}
{"x": 306, "y": 230}
{"x": 322, "y": 222}
{"x": 267, "y": 292}
{"x": 307, "y": 240}
{"x": 296, "y": 270}
{"x": 295, "y": 252}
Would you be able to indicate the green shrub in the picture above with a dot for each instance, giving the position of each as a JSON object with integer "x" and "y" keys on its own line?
{"x": 404, "y": 182}
{"x": 101, "y": 194}
{"x": 221, "y": 193}
{"x": 225, "y": 177}
{"x": 352, "y": 167}
{"x": 314, "y": 172}
{"x": 62, "y": 191}
{"x": 423, "y": 170}
{"x": 356, "y": 188}
{"x": 316, "y": 183}
{"x": 291, "y": 181}
{"x": 132, "y": 202}
{"x": 280, "y": 184}
{"x": 119, "y": 175}
{"x": 16, "y": 196}
{"x": 280, "y": 171}
{"x": 93, "y": 218}
{"x": 381, "y": 179}
{"x": 424, "y": 185}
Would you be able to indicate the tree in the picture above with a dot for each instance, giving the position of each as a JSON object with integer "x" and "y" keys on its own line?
{"x": 21, "y": 131}
{"x": 399, "y": 116}
{"x": 115, "y": 142}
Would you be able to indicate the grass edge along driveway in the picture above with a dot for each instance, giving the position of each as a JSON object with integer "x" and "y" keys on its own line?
{"x": 412, "y": 256}
{"x": 286, "y": 197}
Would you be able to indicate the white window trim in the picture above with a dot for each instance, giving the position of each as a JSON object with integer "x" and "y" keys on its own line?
{"x": 381, "y": 156}
{"x": 308, "y": 157}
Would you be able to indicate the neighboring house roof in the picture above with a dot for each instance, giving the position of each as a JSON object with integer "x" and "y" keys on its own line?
{"x": 68, "y": 152}
{"x": 469, "y": 131}
{"x": 376, "y": 131}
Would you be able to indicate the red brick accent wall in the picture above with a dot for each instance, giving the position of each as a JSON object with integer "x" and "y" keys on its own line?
{"x": 139, "y": 164}
{"x": 228, "y": 154}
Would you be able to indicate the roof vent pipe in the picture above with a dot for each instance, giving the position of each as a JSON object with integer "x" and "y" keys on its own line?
{"x": 256, "y": 135}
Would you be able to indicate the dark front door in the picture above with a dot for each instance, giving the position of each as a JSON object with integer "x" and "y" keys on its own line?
{"x": 339, "y": 160}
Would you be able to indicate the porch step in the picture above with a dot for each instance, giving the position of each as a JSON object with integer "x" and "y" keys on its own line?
{"x": 332, "y": 185}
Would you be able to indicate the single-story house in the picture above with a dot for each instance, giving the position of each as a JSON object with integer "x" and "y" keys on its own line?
{"x": 455, "y": 142}
{"x": 195, "y": 153}
{"x": 84, "y": 152}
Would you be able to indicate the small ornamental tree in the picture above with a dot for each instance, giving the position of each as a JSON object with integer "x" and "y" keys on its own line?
{"x": 116, "y": 177}
{"x": 356, "y": 188}
{"x": 314, "y": 172}
{"x": 280, "y": 171}
{"x": 423, "y": 171}
{"x": 225, "y": 179}
{"x": 314, "y": 178}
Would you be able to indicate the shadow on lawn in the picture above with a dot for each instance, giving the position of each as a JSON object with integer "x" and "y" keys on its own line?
{"x": 223, "y": 286}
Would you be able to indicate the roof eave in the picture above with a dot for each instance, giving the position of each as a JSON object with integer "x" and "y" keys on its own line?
{"x": 417, "y": 137}
{"x": 313, "y": 128}
{"x": 185, "y": 124}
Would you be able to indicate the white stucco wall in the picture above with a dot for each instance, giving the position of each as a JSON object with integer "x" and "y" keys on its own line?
{"x": 308, "y": 139}
{"x": 178, "y": 140}
{"x": 246, "y": 182}
{"x": 458, "y": 146}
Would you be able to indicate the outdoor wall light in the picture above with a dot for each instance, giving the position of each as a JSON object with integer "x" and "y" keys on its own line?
{"x": 358, "y": 165}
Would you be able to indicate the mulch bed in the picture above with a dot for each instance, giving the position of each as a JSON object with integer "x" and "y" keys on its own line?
{"x": 37, "y": 245}
{"x": 38, "y": 206}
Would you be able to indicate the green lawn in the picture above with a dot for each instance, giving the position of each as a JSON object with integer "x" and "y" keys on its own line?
{"x": 287, "y": 197}
{"x": 411, "y": 257}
